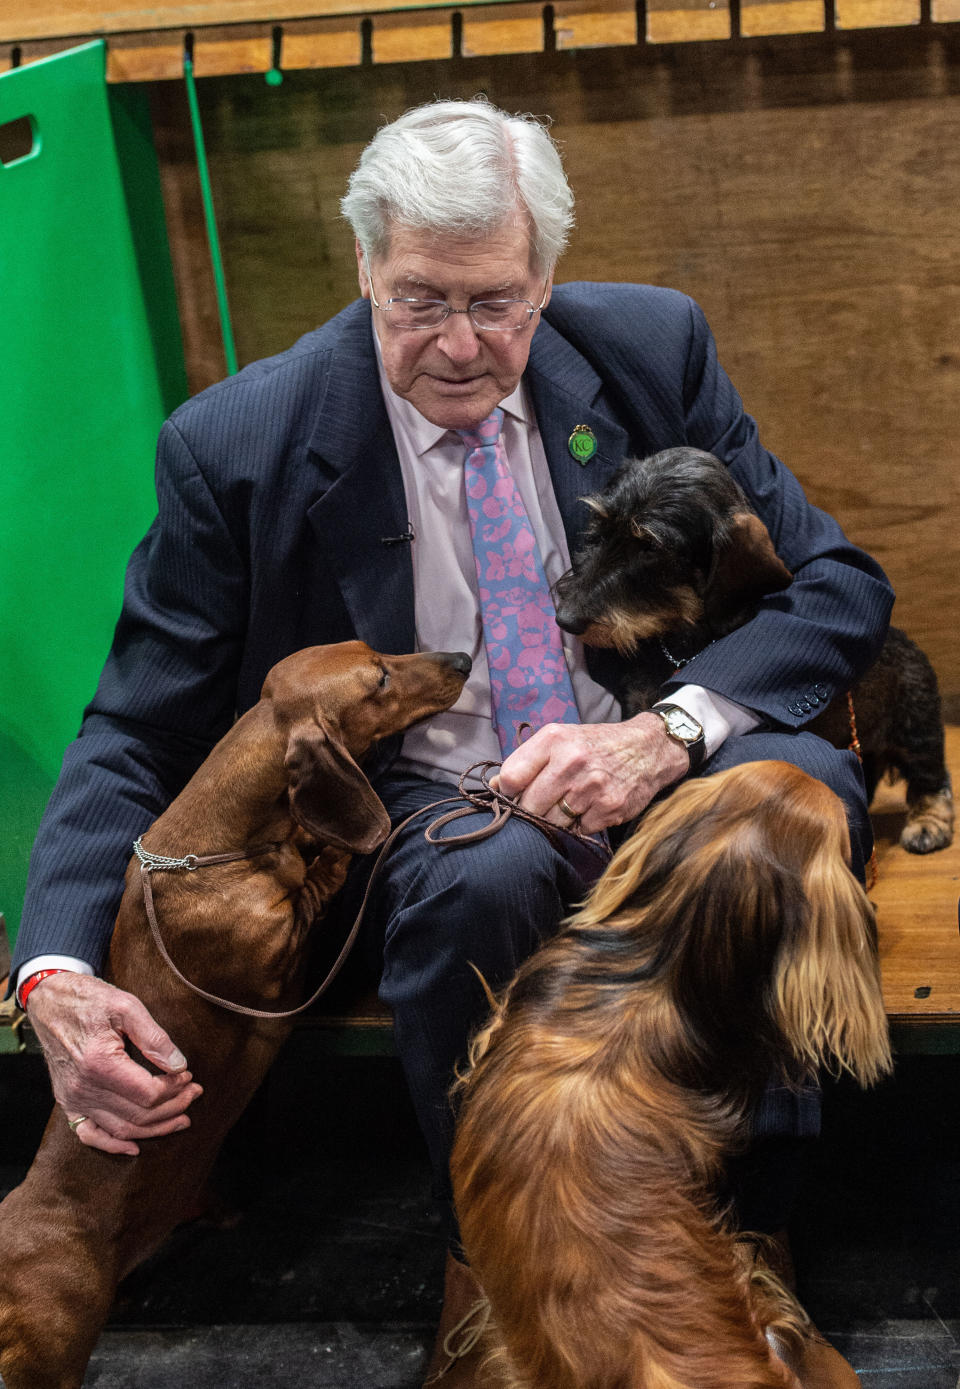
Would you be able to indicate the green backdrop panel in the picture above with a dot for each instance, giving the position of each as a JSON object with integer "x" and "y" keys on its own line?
{"x": 91, "y": 362}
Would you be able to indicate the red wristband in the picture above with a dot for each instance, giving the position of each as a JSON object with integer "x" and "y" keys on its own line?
{"x": 29, "y": 984}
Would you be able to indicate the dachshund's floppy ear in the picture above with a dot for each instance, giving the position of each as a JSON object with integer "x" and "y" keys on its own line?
{"x": 745, "y": 567}
{"x": 329, "y": 795}
{"x": 828, "y": 985}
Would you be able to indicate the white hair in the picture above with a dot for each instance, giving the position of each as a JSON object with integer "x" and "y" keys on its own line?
{"x": 464, "y": 168}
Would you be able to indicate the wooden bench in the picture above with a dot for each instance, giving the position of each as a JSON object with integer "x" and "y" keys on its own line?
{"x": 916, "y": 899}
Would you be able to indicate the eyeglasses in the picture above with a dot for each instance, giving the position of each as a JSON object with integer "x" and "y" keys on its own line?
{"x": 486, "y": 315}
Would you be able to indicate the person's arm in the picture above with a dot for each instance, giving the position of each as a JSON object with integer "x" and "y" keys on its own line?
{"x": 811, "y": 641}
{"x": 41, "y": 965}
{"x": 718, "y": 717}
{"x": 806, "y": 645}
{"x": 166, "y": 694}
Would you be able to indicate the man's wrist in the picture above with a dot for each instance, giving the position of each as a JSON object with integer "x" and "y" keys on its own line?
{"x": 719, "y": 717}
{"x": 49, "y": 959}
{"x": 26, "y": 986}
{"x": 672, "y": 762}
{"x": 682, "y": 728}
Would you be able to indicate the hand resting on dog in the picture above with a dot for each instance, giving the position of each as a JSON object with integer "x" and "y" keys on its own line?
{"x": 607, "y": 773}
{"x": 82, "y": 1024}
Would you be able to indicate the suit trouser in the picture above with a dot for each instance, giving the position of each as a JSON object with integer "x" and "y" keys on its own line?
{"x": 438, "y": 915}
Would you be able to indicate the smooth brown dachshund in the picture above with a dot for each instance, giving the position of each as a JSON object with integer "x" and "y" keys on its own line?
{"x": 285, "y": 776}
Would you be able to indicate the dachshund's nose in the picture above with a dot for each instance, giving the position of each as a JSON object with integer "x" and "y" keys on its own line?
{"x": 569, "y": 621}
{"x": 458, "y": 660}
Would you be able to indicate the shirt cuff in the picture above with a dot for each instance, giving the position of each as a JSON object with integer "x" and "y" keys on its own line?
{"x": 49, "y": 962}
{"x": 718, "y": 716}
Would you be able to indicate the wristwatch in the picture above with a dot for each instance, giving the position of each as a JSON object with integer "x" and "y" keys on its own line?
{"x": 683, "y": 728}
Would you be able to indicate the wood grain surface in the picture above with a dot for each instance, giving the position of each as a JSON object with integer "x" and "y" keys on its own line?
{"x": 22, "y": 20}
{"x": 916, "y": 901}
{"x": 147, "y": 35}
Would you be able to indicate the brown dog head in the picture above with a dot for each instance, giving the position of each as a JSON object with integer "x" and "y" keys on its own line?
{"x": 331, "y": 703}
{"x": 672, "y": 542}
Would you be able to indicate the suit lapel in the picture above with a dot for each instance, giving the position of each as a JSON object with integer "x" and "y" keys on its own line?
{"x": 364, "y": 504}
{"x": 565, "y": 391}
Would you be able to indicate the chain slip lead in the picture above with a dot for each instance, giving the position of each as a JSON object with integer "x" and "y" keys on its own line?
{"x": 468, "y": 801}
{"x": 152, "y": 861}
{"x": 679, "y": 662}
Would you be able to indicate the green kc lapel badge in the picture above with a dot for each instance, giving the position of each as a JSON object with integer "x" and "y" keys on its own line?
{"x": 582, "y": 444}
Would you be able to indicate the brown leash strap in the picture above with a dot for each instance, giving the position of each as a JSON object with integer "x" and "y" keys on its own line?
{"x": 468, "y": 801}
{"x": 487, "y": 799}
{"x": 854, "y": 743}
{"x": 873, "y": 869}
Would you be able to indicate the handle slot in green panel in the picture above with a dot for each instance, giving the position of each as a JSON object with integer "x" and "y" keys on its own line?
{"x": 18, "y": 140}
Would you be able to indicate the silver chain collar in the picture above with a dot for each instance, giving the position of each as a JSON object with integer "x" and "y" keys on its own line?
{"x": 161, "y": 861}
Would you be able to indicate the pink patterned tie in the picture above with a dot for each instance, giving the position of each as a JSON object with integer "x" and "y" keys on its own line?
{"x": 529, "y": 680}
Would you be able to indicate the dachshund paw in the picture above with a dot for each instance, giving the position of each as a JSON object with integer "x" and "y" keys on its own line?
{"x": 929, "y": 824}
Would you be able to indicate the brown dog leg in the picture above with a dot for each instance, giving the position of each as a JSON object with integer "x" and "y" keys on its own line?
{"x": 56, "y": 1293}
{"x": 812, "y": 1359}
{"x": 929, "y": 823}
{"x": 815, "y": 1363}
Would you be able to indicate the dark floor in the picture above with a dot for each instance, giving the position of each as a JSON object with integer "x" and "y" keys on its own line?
{"x": 327, "y": 1276}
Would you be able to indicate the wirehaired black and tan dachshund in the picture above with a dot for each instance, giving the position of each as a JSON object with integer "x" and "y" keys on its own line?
{"x": 674, "y": 556}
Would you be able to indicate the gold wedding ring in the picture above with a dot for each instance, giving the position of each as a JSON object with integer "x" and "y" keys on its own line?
{"x": 75, "y": 1123}
{"x": 570, "y": 814}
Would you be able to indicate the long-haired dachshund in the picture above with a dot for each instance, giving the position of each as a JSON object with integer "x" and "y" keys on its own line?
{"x": 283, "y": 795}
{"x": 726, "y": 942}
{"x": 674, "y": 556}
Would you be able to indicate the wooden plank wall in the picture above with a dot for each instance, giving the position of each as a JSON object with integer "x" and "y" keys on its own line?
{"x": 146, "y": 42}
{"x": 802, "y": 187}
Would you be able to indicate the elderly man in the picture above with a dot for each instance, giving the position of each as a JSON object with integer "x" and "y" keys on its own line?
{"x": 332, "y": 492}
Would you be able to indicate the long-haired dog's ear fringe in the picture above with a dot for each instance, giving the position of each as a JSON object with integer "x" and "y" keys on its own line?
{"x": 481, "y": 1039}
{"x": 829, "y": 993}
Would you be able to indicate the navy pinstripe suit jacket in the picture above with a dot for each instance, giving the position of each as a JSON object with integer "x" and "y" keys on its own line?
{"x": 275, "y": 489}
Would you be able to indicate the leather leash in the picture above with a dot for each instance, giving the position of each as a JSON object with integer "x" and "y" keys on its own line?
{"x": 872, "y": 870}
{"x": 468, "y": 801}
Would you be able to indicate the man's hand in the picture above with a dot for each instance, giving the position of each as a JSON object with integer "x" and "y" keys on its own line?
{"x": 82, "y": 1023}
{"x": 605, "y": 772}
